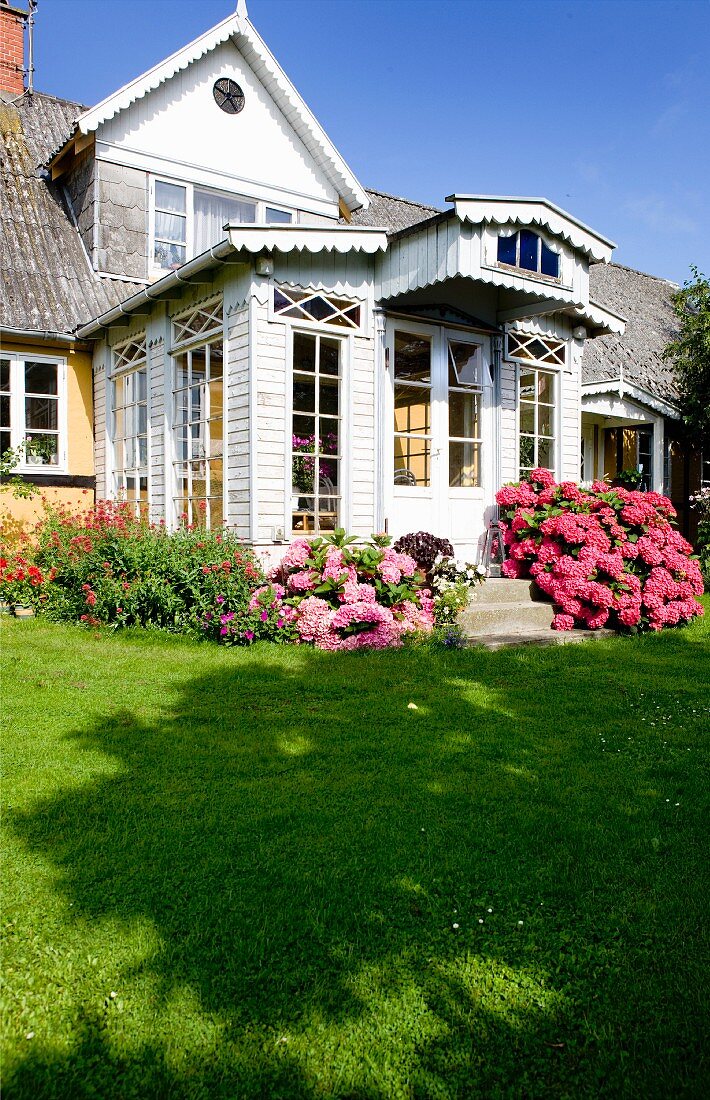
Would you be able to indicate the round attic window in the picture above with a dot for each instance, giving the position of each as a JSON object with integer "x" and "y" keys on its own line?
{"x": 228, "y": 95}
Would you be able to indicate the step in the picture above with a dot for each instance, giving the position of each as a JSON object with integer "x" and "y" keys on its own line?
{"x": 540, "y": 638}
{"x": 505, "y": 618}
{"x": 504, "y": 590}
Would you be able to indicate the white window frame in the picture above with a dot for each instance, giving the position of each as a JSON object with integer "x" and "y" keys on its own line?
{"x": 536, "y": 273}
{"x": 18, "y": 427}
{"x": 261, "y": 206}
{"x": 314, "y": 325}
{"x": 116, "y": 378}
{"x": 451, "y": 336}
{"x": 555, "y": 374}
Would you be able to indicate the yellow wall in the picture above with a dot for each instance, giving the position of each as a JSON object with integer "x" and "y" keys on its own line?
{"x": 80, "y": 437}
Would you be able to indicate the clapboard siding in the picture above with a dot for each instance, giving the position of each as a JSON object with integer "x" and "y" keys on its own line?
{"x": 238, "y": 433}
{"x": 270, "y": 444}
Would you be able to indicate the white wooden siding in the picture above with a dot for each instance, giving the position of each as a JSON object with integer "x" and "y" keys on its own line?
{"x": 159, "y": 404}
{"x": 271, "y": 428}
{"x": 238, "y": 436}
{"x": 361, "y": 438}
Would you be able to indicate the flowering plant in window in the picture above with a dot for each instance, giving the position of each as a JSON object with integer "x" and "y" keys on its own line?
{"x": 606, "y": 556}
{"x": 337, "y": 595}
{"x": 304, "y": 461}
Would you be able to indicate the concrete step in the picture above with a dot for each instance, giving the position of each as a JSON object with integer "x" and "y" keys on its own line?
{"x": 503, "y": 590}
{"x": 539, "y": 638}
{"x": 506, "y": 617}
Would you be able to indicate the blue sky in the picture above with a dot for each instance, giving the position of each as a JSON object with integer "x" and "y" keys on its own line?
{"x": 602, "y": 106}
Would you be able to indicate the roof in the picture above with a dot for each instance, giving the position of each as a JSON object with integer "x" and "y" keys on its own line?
{"x": 636, "y": 356}
{"x": 46, "y": 281}
{"x": 392, "y": 213}
{"x": 241, "y": 31}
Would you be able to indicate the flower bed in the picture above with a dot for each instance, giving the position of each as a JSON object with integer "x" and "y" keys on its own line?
{"x": 606, "y": 556}
{"x": 337, "y": 595}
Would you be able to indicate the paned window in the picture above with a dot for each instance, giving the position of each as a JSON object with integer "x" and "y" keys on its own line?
{"x": 527, "y": 251}
{"x": 464, "y": 415}
{"x": 198, "y": 428}
{"x": 536, "y": 423}
{"x": 30, "y": 409}
{"x": 188, "y": 220}
{"x": 412, "y": 409}
{"x": 316, "y": 432}
{"x": 538, "y": 349}
{"x": 130, "y": 424}
{"x": 306, "y": 305}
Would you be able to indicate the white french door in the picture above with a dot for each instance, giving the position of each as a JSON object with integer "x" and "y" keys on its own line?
{"x": 437, "y": 424}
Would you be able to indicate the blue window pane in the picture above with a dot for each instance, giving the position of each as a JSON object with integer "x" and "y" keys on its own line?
{"x": 506, "y": 249}
{"x": 529, "y": 243}
{"x": 549, "y": 262}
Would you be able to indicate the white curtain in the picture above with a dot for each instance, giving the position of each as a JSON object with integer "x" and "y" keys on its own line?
{"x": 212, "y": 212}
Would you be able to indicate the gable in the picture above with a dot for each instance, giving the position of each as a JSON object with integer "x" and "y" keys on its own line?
{"x": 178, "y": 130}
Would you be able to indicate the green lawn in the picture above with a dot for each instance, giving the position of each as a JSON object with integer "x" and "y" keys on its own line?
{"x": 262, "y": 873}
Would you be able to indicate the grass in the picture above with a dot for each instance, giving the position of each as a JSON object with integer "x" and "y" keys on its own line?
{"x": 261, "y": 873}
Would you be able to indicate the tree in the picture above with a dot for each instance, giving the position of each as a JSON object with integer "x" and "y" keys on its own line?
{"x": 690, "y": 354}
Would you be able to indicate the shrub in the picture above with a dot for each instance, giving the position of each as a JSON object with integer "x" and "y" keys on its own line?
{"x": 21, "y": 581}
{"x": 336, "y": 595}
{"x": 111, "y": 567}
{"x": 425, "y": 549}
{"x": 606, "y": 556}
{"x": 701, "y": 504}
{"x": 451, "y": 581}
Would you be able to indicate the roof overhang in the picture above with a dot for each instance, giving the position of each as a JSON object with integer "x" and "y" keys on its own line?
{"x": 620, "y": 390}
{"x": 509, "y": 210}
{"x": 306, "y": 238}
{"x": 240, "y": 30}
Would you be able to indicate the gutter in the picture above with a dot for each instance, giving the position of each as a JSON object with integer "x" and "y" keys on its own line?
{"x": 39, "y": 334}
{"x": 154, "y": 292}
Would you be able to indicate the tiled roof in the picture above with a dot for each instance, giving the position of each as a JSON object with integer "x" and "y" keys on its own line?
{"x": 392, "y": 213}
{"x": 46, "y": 281}
{"x": 637, "y": 356}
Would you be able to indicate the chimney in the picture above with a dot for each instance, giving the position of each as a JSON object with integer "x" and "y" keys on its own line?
{"x": 12, "y": 48}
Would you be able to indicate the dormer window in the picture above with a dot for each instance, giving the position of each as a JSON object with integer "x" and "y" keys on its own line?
{"x": 528, "y": 251}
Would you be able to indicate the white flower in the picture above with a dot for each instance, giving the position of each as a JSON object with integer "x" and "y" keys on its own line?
{"x": 454, "y": 926}
{"x": 519, "y": 923}
{"x": 30, "y": 1035}
{"x": 489, "y": 910}
{"x": 412, "y": 706}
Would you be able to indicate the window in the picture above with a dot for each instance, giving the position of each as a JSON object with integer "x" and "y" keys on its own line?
{"x": 528, "y": 251}
{"x": 464, "y": 415}
{"x": 130, "y": 424}
{"x": 412, "y": 409}
{"x": 198, "y": 416}
{"x": 316, "y": 433}
{"x": 307, "y": 305}
{"x": 539, "y": 349}
{"x": 187, "y": 220}
{"x": 536, "y": 421}
{"x": 31, "y": 409}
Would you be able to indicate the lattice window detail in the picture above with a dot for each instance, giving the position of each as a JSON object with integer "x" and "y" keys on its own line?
{"x": 130, "y": 353}
{"x": 204, "y": 320}
{"x": 536, "y": 349}
{"x": 307, "y": 305}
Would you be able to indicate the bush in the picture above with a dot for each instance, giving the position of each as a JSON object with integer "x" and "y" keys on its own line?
{"x": 606, "y": 556}
{"x": 451, "y": 582}
{"x": 425, "y": 549}
{"x": 110, "y": 567}
{"x": 336, "y": 595}
{"x": 701, "y": 504}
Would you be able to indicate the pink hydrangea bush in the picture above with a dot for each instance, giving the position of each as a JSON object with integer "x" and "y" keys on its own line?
{"x": 337, "y": 595}
{"x": 606, "y": 556}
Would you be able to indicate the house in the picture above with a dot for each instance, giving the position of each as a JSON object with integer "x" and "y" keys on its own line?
{"x": 275, "y": 347}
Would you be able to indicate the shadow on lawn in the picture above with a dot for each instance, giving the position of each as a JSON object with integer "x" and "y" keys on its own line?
{"x": 302, "y": 842}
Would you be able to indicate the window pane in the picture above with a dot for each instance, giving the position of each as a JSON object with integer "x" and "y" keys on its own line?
{"x": 545, "y": 387}
{"x": 4, "y": 374}
{"x": 5, "y": 411}
{"x": 412, "y": 410}
{"x": 527, "y": 418}
{"x": 463, "y": 415}
{"x": 527, "y": 385}
{"x": 527, "y": 452}
{"x": 328, "y": 397}
{"x": 549, "y": 261}
{"x": 41, "y": 378}
{"x": 411, "y": 461}
{"x": 529, "y": 243}
{"x": 412, "y": 357}
{"x": 304, "y": 429}
{"x": 464, "y": 465}
{"x": 4, "y": 442}
{"x": 50, "y": 449}
{"x": 40, "y": 413}
{"x": 213, "y": 212}
{"x": 544, "y": 420}
{"x": 170, "y": 227}
{"x": 545, "y": 453}
{"x": 507, "y": 248}
{"x": 304, "y": 352}
{"x": 273, "y": 215}
{"x": 304, "y": 394}
{"x": 463, "y": 364}
{"x": 329, "y": 356}
{"x": 170, "y": 196}
{"x": 168, "y": 255}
